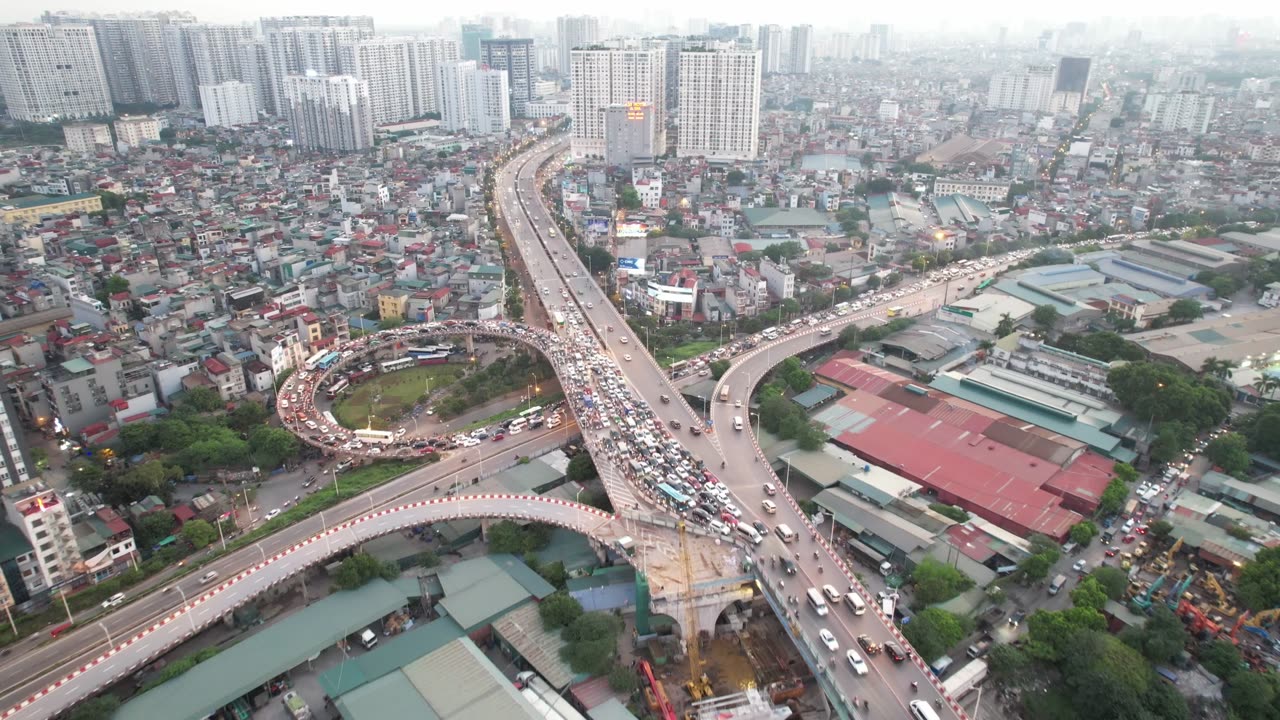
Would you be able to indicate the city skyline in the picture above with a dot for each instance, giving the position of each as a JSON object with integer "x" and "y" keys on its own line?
{"x": 930, "y": 16}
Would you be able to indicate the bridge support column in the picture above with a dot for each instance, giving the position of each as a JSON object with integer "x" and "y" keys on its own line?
{"x": 707, "y": 607}
{"x": 471, "y": 345}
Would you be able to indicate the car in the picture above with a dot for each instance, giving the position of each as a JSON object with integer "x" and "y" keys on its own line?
{"x": 1016, "y": 618}
{"x": 589, "y": 306}
{"x": 856, "y": 662}
{"x": 869, "y": 647}
{"x": 828, "y": 639}
{"x": 760, "y": 527}
{"x": 675, "y": 424}
{"x": 627, "y": 358}
{"x": 894, "y": 651}
{"x": 498, "y": 436}
{"x": 732, "y": 510}
{"x": 770, "y": 489}
{"x": 737, "y": 403}
{"x": 788, "y": 566}
{"x": 400, "y": 432}
{"x": 695, "y": 430}
{"x": 1127, "y": 539}
{"x": 309, "y": 482}
{"x": 272, "y": 514}
{"x": 113, "y": 601}
{"x": 1111, "y": 551}
{"x": 1142, "y": 529}
{"x": 209, "y": 577}
{"x": 623, "y": 340}
{"x": 1080, "y": 565}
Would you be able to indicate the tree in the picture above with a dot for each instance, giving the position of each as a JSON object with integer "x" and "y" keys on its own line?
{"x": 1259, "y": 583}
{"x": 202, "y": 399}
{"x": 139, "y": 481}
{"x": 1220, "y": 369}
{"x": 933, "y": 631}
{"x": 1114, "y": 581}
{"x": 1251, "y": 695}
{"x": 1185, "y": 310}
{"x": 1161, "y": 638}
{"x": 1035, "y": 567}
{"x": 390, "y": 323}
{"x": 271, "y": 445}
{"x": 1125, "y": 472}
{"x": 1008, "y": 663}
{"x": 936, "y": 582}
{"x": 99, "y": 708}
{"x": 1160, "y": 529}
{"x": 788, "y": 250}
{"x": 582, "y": 468}
{"x": 171, "y": 435}
{"x": 1083, "y": 532}
{"x": 1229, "y": 451}
{"x": 1222, "y": 658}
{"x": 559, "y": 610}
{"x": 880, "y": 186}
{"x": 622, "y": 680}
{"x": 1046, "y": 317}
{"x": 137, "y": 438}
{"x": 506, "y": 537}
{"x": 360, "y": 568}
{"x": 735, "y": 177}
{"x": 87, "y": 476}
{"x": 1089, "y": 593}
{"x": 1005, "y": 326}
{"x": 873, "y": 282}
{"x": 718, "y": 368}
{"x": 199, "y": 533}
{"x": 153, "y": 527}
{"x": 246, "y": 416}
{"x": 592, "y": 643}
{"x": 1052, "y": 631}
{"x": 629, "y": 199}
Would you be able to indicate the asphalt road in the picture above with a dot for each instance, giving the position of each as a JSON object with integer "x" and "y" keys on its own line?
{"x": 35, "y": 670}
{"x": 552, "y": 263}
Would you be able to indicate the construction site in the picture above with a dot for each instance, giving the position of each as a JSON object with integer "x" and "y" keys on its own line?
{"x": 1200, "y": 598}
{"x": 745, "y": 667}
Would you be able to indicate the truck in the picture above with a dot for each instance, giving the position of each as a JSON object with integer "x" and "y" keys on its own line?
{"x": 724, "y": 394}
{"x": 980, "y": 648}
{"x": 627, "y": 546}
{"x": 297, "y": 707}
{"x": 368, "y": 639}
{"x": 965, "y": 679}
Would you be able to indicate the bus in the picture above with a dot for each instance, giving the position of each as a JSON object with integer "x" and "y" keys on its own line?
{"x": 431, "y": 359}
{"x": 526, "y": 414}
{"x": 677, "y": 498}
{"x": 677, "y": 366}
{"x": 329, "y": 361}
{"x": 986, "y": 283}
{"x": 559, "y": 316}
{"x": 394, "y": 365}
{"x": 338, "y": 388}
{"x": 895, "y": 311}
{"x": 375, "y": 436}
{"x": 330, "y": 419}
{"x": 314, "y": 360}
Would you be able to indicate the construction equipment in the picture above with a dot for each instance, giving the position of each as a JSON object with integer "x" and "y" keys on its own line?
{"x": 699, "y": 685}
{"x": 1164, "y": 563}
{"x": 655, "y": 694}
{"x": 1200, "y": 627}
{"x": 1175, "y": 595}
{"x": 1142, "y": 603}
{"x": 1211, "y": 584}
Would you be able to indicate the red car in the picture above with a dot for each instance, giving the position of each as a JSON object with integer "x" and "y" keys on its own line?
{"x": 729, "y": 519}
{"x": 498, "y": 437}
{"x": 1126, "y": 539}
{"x": 1111, "y": 551}
{"x": 1142, "y": 530}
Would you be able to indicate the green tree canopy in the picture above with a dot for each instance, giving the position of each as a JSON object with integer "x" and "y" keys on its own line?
{"x": 271, "y": 446}
{"x": 1083, "y": 532}
{"x": 788, "y": 250}
{"x": 1089, "y": 593}
{"x": 99, "y": 708}
{"x": 390, "y": 323}
{"x": 1259, "y": 582}
{"x": 629, "y": 199}
{"x": 1005, "y": 326}
{"x": 1160, "y": 529}
{"x": 202, "y": 399}
{"x": 718, "y": 368}
{"x": 1113, "y": 580}
{"x": 360, "y": 569}
{"x": 199, "y": 533}
{"x": 152, "y": 528}
{"x": 1046, "y": 317}
{"x": 1162, "y": 637}
{"x": 934, "y": 631}
{"x": 735, "y": 177}
{"x": 1230, "y": 452}
{"x": 559, "y": 610}
{"x": 582, "y": 468}
{"x": 1126, "y": 472}
{"x": 936, "y": 582}
{"x": 1185, "y": 310}
{"x": 247, "y": 416}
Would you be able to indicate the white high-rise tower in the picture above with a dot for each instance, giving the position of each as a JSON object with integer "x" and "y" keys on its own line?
{"x": 329, "y": 112}
{"x": 605, "y": 77}
{"x": 770, "y": 47}
{"x": 719, "y": 104}
{"x": 574, "y": 32}
{"x": 52, "y": 73}
{"x": 801, "y": 54}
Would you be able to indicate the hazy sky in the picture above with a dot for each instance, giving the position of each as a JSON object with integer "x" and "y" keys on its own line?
{"x": 923, "y": 14}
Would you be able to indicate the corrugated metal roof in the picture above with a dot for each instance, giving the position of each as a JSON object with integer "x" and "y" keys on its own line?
{"x": 282, "y": 646}
{"x": 392, "y": 696}
{"x": 479, "y": 590}
{"x": 901, "y": 533}
{"x": 522, "y": 629}
{"x": 461, "y": 683}
{"x": 389, "y": 656}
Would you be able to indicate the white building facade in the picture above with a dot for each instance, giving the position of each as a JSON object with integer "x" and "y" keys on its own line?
{"x": 87, "y": 137}
{"x": 329, "y": 112}
{"x": 426, "y": 55}
{"x": 135, "y": 131}
{"x": 52, "y": 73}
{"x": 801, "y": 52}
{"x": 473, "y": 100}
{"x": 720, "y": 104}
{"x": 573, "y": 32}
{"x": 1027, "y": 91}
{"x": 383, "y": 63}
{"x": 229, "y": 104}
{"x": 605, "y": 77}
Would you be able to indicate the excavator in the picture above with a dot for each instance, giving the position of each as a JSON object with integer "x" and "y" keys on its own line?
{"x": 1178, "y": 591}
{"x": 1200, "y": 626}
{"x": 1164, "y": 562}
{"x": 1142, "y": 603}
{"x": 1211, "y": 584}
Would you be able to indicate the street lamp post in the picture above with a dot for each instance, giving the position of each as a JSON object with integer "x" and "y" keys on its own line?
{"x": 110, "y": 642}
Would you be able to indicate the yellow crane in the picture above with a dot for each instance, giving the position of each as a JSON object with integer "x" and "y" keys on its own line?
{"x": 699, "y": 685}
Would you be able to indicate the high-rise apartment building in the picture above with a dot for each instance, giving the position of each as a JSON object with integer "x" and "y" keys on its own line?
{"x": 801, "y": 52}
{"x": 383, "y": 62}
{"x": 629, "y": 135}
{"x": 1028, "y": 91}
{"x": 474, "y": 99}
{"x": 52, "y": 73}
{"x": 132, "y": 131}
{"x": 15, "y": 467}
{"x": 1188, "y": 111}
{"x": 573, "y": 32}
{"x": 719, "y": 104}
{"x": 603, "y": 77}
{"x": 770, "y": 46}
{"x": 1071, "y": 85}
{"x": 229, "y": 104}
{"x": 884, "y": 36}
{"x": 215, "y": 52}
{"x": 426, "y": 55}
{"x": 329, "y": 112}
{"x": 842, "y": 46}
{"x": 87, "y": 137}
{"x": 670, "y": 47}
{"x": 133, "y": 53}
{"x": 515, "y": 57}
{"x": 471, "y": 37}
{"x": 255, "y": 66}
{"x": 304, "y": 49}
{"x": 868, "y": 47}
{"x": 292, "y": 21}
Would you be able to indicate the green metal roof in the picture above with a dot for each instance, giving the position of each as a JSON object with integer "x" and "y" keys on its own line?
{"x": 389, "y": 657}
{"x": 786, "y": 217}
{"x": 244, "y": 666}
{"x": 12, "y": 542}
{"x": 392, "y": 696}
{"x": 528, "y": 477}
{"x": 814, "y": 396}
{"x": 478, "y": 591}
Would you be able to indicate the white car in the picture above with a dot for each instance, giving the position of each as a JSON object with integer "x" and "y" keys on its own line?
{"x": 732, "y": 509}
{"x": 113, "y": 601}
{"x": 627, "y": 358}
{"x": 856, "y": 662}
{"x": 272, "y": 514}
{"x": 623, "y": 340}
{"x": 828, "y": 639}
{"x": 1079, "y": 566}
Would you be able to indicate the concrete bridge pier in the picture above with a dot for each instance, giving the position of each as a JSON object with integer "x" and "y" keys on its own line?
{"x": 707, "y": 605}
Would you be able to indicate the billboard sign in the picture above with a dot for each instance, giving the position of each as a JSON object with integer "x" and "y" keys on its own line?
{"x": 633, "y": 266}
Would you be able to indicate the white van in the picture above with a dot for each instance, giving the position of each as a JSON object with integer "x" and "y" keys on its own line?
{"x": 815, "y": 599}
{"x": 768, "y": 506}
{"x": 751, "y": 533}
{"x": 784, "y": 533}
{"x": 737, "y": 422}
{"x": 855, "y": 603}
{"x": 833, "y": 595}
{"x": 922, "y": 710}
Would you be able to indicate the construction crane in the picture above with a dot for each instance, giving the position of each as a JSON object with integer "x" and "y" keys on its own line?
{"x": 699, "y": 685}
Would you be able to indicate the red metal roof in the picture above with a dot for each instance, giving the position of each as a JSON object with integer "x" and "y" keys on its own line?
{"x": 216, "y": 366}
